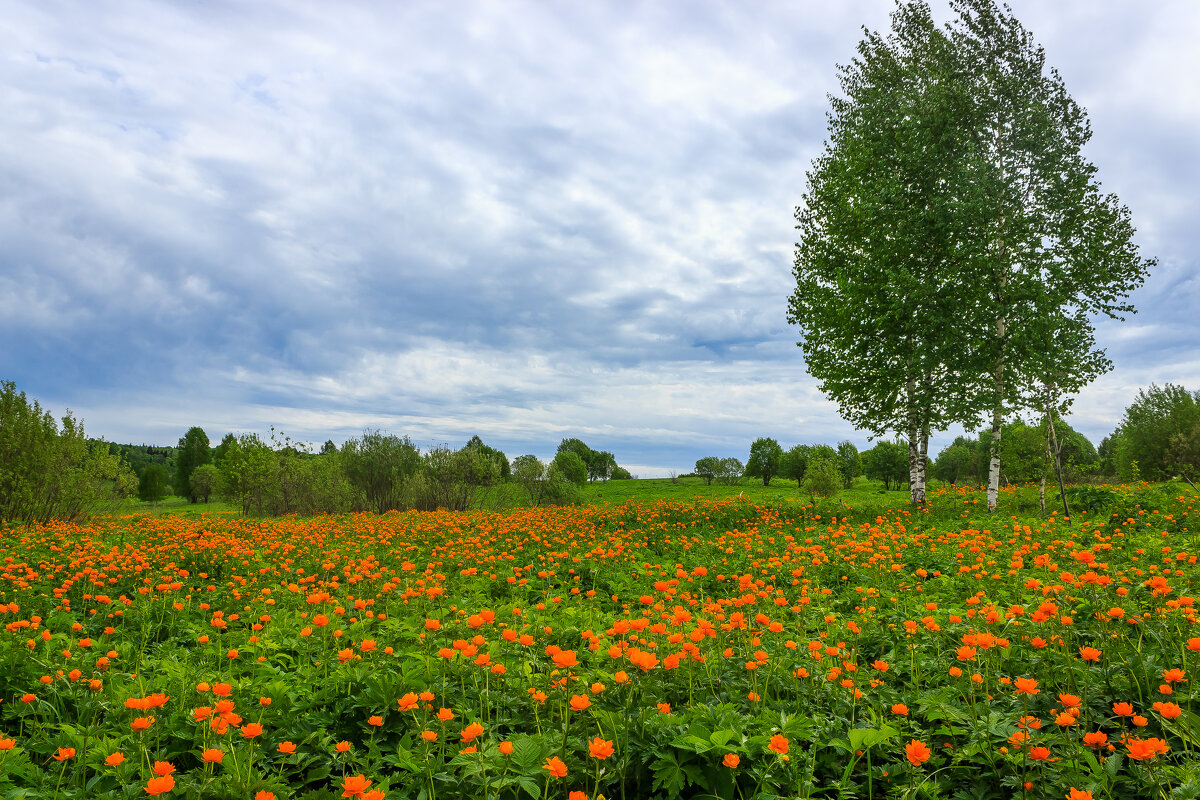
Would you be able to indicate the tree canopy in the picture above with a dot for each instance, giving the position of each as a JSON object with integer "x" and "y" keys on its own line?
{"x": 954, "y": 243}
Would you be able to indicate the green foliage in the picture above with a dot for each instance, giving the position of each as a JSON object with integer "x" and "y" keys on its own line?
{"x": 795, "y": 462}
{"x": 730, "y": 471}
{"x": 570, "y": 466}
{"x": 766, "y": 457}
{"x": 501, "y": 460}
{"x": 453, "y": 478}
{"x": 959, "y": 462}
{"x": 707, "y": 468}
{"x": 192, "y": 451}
{"x": 823, "y": 478}
{"x": 204, "y": 481}
{"x": 379, "y": 465}
{"x": 849, "y": 463}
{"x": 599, "y": 465}
{"x": 1156, "y": 417}
{"x": 152, "y": 485}
{"x": 48, "y": 472}
{"x": 887, "y": 462}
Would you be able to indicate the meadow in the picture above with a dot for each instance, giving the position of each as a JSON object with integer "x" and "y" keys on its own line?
{"x": 694, "y": 645}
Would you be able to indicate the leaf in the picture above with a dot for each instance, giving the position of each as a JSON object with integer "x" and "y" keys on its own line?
{"x": 530, "y": 786}
{"x": 669, "y": 776}
{"x": 862, "y": 738}
{"x": 526, "y": 755}
{"x": 1112, "y": 765}
{"x": 722, "y": 737}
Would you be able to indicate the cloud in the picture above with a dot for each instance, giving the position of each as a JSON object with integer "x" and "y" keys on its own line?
{"x": 524, "y": 220}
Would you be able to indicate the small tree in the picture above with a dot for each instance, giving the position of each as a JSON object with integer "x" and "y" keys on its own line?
{"x": 193, "y": 450}
{"x": 152, "y": 484}
{"x": 708, "y": 468}
{"x": 849, "y": 462}
{"x": 571, "y": 467}
{"x": 764, "y": 460}
{"x": 823, "y": 478}
{"x": 731, "y": 471}
{"x": 204, "y": 481}
{"x": 887, "y": 462}
{"x": 795, "y": 462}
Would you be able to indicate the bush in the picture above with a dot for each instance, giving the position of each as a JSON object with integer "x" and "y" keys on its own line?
{"x": 47, "y": 473}
{"x": 822, "y": 478}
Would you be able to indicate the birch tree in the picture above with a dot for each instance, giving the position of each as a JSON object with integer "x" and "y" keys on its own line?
{"x": 954, "y": 243}
{"x": 878, "y": 265}
{"x": 1048, "y": 250}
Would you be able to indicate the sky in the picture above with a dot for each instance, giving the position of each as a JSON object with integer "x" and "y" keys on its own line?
{"x": 522, "y": 220}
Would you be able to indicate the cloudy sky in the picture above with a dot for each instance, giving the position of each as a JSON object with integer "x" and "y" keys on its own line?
{"x": 525, "y": 220}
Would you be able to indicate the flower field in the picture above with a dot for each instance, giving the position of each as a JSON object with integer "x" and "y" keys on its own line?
{"x": 652, "y": 649}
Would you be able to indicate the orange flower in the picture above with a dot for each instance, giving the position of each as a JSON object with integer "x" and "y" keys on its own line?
{"x": 213, "y": 755}
{"x": 556, "y": 767}
{"x": 663, "y": 708}
{"x": 472, "y": 732}
{"x": 222, "y": 689}
{"x": 141, "y": 723}
{"x": 1039, "y": 753}
{"x": 565, "y": 659}
{"x": 1095, "y": 739}
{"x": 64, "y": 753}
{"x": 160, "y": 785}
{"x": 1144, "y": 749}
{"x": 1026, "y": 686}
{"x": 917, "y": 752}
{"x": 580, "y": 702}
{"x": 355, "y": 785}
{"x": 251, "y": 729}
{"x": 445, "y": 714}
{"x": 408, "y": 702}
{"x": 899, "y": 709}
{"x": 264, "y": 795}
{"x": 287, "y": 747}
{"x": 1079, "y": 794}
{"x": 732, "y": 760}
{"x": 1168, "y": 710}
{"x": 506, "y": 748}
{"x": 1123, "y": 709}
{"x": 1089, "y": 654}
{"x": 429, "y": 736}
{"x": 1173, "y": 675}
{"x": 342, "y": 747}
{"x": 779, "y": 743}
{"x": 577, "y": 795}
{"x": 163, "y": 768}
{"x": 375, "y": 720}
{"x": 113, "y": 760}
{"x": 600, "y": 748}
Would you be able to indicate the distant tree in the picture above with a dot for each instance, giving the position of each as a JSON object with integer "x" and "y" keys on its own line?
{"x": 455, "y": 477}
{"x": 1156, "y": 416}
{"x": 956, "y": 462}
{"x": 765, "y": 459}
{"x": 707, "y": 468}
{"x": 529, "y": 472}
{"x": 571, "y": 466}
{"x": 51, "y": 472}
{"x": 328, "y": 448}
{"x": 730, "y": 472}
{"x": 501, "y": 460}
{"x": 619, "y": 473}
{"x": 887, "y": 462}
{"x": 378, "y": 465}
{"x": 220, "y": 450}
{"x": 152, "y": 485}
{"x": 192, "y": 451}
{"x": 822, "y": 478}
{"x": 205, "y": 479}
{"x": 602, "y": 465}
{"x": 250, "y": 475}
{"x": 1183, "y": 454}
{"x": 849, "y": 462}
{"x": 795, "y": 462}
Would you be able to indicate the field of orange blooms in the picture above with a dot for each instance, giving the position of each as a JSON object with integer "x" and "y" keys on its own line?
{"x": 670, "y": 649}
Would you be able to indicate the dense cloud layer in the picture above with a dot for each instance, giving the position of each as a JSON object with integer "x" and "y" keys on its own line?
{"x": 526, "y": 221}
